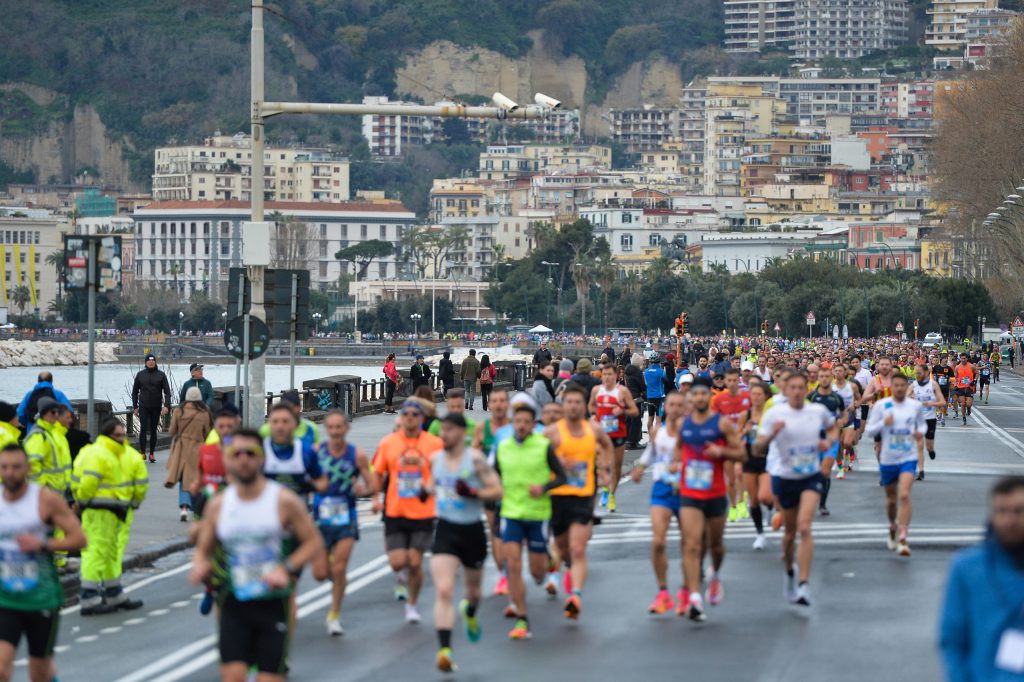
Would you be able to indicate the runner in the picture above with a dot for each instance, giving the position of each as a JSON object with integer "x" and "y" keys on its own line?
{"x": 584, "y": 450}
{"x": 402, "y": 465}
{"x": 462, "y": 480}
{"x": 899, "y": 421}
{"x": 485, "y": 439}
{"x": 707, "y": 444}
{"x": 529, "y": 470}
{"x": 254, "y": 519}
{"x": 334, "y": 509}
{"x": 928, "y": 393}
{"x": 943, "y": 375}
{"x": 964, "y": 388}
{"x": 659, "y": 456}
{"x": 654, "y": 378}
{"x": 733, "y": 404}
{"x": 30, "y": 591}
{"x": 850, "y": 392}
{"x": 795, "y": 427}
{"x": 984, "y": 377}
{"x": 755, "y": 478}
{"x": 456, "y": 404}
{"x": 289, "y": 459}
{"x": 612, "y": 403}
{"x": 833, "y": 402}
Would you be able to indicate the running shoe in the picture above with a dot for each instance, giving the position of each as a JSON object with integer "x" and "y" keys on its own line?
{"x": 551, "y": 584}
{"x": 965, "y": 420}
{"x": 890, "y": 540}
{"x": 696, "y": 610}
{"x": 510, "y": 611}
{"x": 743, "y": 511}
{"x": 444, "y": 661}
{"x": 152, "y": 458}
{"x": 521, "y": 630}
{"x": 931, "y": 454}
{"x": 803, "y": 595}
{"x": 733, "y": 514}
{"x": 567, "y": 581}
{"x": 334, "y": 628}
{"x": 472, "y": 623}
{"x": 942, "y": 421}
{"x": 715, "y": 592}
{"x": 823, "y": 511}
{"x": 662, "y": 603}
{"x": 401, "y": 592}
{"x": 920, "y": 475}
{"x": 611, "y": 502}
{"x": 412, "y": 614}
{"x": 841, "y": 474}
{"x": 501, "y": 589}
{"x": 572, "y": 607}
{"x": 776, "y": 520}
{"x": 604, "y": 497}
{"x": 682, "y": 601}
{"x": 759, "y": 542}
{"x": 902, "y": 548}
{"x": 789, "y": 586}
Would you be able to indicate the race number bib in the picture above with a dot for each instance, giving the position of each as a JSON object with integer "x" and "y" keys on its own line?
{"x": 250, "y": 566}
{"x": 409, "y": 484}
{"x": 447, "y": 499}
{"x": 334, "y": 511}
{"x": 900, "y": 440}
{"x": 985, "y": 371}
{"x": 576, "y": 474}
{"x": 699, "y": 474}
{"x": 610, "y": 423}
{"x": 19, "y": 572}
{"x": 804, "y": 460}
{"x": 943, "y": 380}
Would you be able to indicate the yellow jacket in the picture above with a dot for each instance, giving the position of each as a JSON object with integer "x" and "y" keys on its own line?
{"x": 49, "y": 455}
{"x": 133, "y": 467}
{"x": 8, "y": 434}
{"x": 97, "y": 479}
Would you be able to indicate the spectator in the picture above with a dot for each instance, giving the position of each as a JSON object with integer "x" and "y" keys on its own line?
{"x": 608, "y": 353}
{"x": 420, "y": 373}
{"x": 488, "y": 374}
{"x": 634, "y": 380}
{"x": 543, "y": 391}
{"x": 425, "y": 398}
{"x": 190, "y": 423}
{"x": 982, "y": 629}
{"x": 542, "y": 355}
{"x": 584, "y": 376}
{"x": 197, "y": 380}
{"x": 565, "y": 368}
{"x": 151, "y": 400}
{"x": 28, "y": 409}
{"x": 1011, "y": 354}
{"x": 446, "y": 372}
{"x": 469, "y": 373}
{"x": 392, "y": 380}
{"x": 10, "y": 434}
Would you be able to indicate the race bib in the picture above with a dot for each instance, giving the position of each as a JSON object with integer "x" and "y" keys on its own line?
{"x": 1010, "y": 654}
{"x": 610, "y": 423}
{"x": 19, "y": 572}
{"x": 576, "y": 474}
{"x": 985, "y": 372}
{"x": 804, "y": 460}
{"x": 943, "y": 380}
{"x": 447, "y": 499}
{"x": 249, "y": 568}
{"x": 409, "y": 484}
{"x": 334, "y": 511}
{"x": 699, "y": 474}
{"x": 900, "y": 440}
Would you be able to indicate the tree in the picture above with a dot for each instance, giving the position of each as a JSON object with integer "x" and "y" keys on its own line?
{"x": 56, "y": 261}
{"x": 583, "y": 277}
{"x": 290, "y": 245}
{"x": 21, "y": 296}
{"x": 605, "y": 273}
{"x": 364, "y": 253}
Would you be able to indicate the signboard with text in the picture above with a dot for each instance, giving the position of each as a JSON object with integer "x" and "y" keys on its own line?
{"x": 107, "y": 249}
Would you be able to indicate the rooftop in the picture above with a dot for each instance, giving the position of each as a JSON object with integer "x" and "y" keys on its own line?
{"x": 291, "y": 206}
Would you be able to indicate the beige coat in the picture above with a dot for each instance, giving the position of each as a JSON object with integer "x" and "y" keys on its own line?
{"x": 190, "y": 425}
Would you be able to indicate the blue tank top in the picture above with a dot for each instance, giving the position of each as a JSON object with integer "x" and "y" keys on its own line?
{"x": 451, "y": 506}
{"x": 337, "y": 505}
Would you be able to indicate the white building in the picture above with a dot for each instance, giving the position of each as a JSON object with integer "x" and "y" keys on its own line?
{"x": 752, "y": 25}
{"x": 220, "y": 169}
{"x": 948, "y": 27}
{"x": 848, "y": 29}
{"x": 750, "y": 251}
{"x": 190, "y": 245}
{"x": 466, "y": 297}
{"x": 387, "y": 134}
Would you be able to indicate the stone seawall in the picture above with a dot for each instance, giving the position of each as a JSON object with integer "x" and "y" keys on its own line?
{"x": 15, "y": 353}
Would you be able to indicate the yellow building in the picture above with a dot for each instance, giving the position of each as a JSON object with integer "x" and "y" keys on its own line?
{"x": 764, "y": 157}
{"x": 733, "y": 113}
{"x": 455, "y": 198}
{"x": 937, "y": 256}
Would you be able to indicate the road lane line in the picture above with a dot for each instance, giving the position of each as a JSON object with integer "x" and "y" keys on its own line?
{"x": 1007, "y": 440}
{"x": 136, "y": 586}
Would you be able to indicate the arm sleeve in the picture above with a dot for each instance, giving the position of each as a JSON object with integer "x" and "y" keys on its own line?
{"x": 556, "y": 468}
{"x": 954, "y": 629}
{"x": 34, "y": 446}
{"x": 648, "y": 456}
{"x": 136, "y": 387}
{"x": 167, "y": 392}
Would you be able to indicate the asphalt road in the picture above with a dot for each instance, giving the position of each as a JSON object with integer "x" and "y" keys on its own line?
{"x": 874, "y": 614}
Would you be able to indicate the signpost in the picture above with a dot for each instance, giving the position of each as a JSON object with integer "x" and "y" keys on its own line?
{"x": 93, "y": 263}
{"x": 1017, "y": 326}
{"x": 777, "y": 330}
{"x": 917, "y": 323}
{"x": 899, "y": 328}
{"x": 810, "y": 324}
{"x": 246, "y": 337}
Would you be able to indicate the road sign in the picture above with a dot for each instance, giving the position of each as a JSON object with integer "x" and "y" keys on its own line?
{"x": 259, "y": 337}
{"x": 108, "y": 261}
{"x": 1017, "y": 326}
{"x": 810, "y": 319}
{"x": 899, "y": 327}
{"x": 777, "y": 327}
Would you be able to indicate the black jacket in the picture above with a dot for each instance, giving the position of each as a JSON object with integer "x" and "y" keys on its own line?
{"x": 151, "y": 389}
{"x": 541, "y": 356}
{"x": 420, "y": 375}
{"x": 446, "y": 371}
{"x": 635, "y": 381}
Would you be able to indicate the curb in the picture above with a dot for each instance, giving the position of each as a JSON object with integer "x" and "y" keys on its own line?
{"x": 72, "y": 583}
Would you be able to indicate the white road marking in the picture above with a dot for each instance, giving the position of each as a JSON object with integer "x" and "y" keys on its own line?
{"x": 179, "y": 604}
{"x": 159, "y": 612}
{"x": 137, "y": 586}
{"x": 111, "y": 630}
{"x": 1000, "y": 434}
{"x": 135, "y": 621}
{"x": 87, "y": 638}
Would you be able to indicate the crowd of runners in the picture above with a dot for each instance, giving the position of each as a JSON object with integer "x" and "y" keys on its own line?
{"x": 748, "y": 433}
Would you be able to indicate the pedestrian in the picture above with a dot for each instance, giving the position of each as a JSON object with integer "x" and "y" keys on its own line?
{"x": 151, "y": 400}
{"x": 608, "y": 353}
{"x": 565, "y": 368}
{"x": 420, "y": 373}
{"x": 49, "y": 454}
{"x": 197, "y": 380}
{"x": 542, "y": 354}
{"x": 584, "y": 376}
{"x": 392, "y": 380}
{"x": 982, "y": 629}
{"x": 190, "y": 423}
{"x": 1012, "y": 355}
{"x": 488, "y": 374}
{"x": 543, "y": 390}
{"x": 29, "y": 406}
{"x": 634, "y": 377}
{"x": 469, "y": 373}
{"x": 446, "y": 371}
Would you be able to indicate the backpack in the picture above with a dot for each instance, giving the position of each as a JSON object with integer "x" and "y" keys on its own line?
{"x": 32, "y": 409}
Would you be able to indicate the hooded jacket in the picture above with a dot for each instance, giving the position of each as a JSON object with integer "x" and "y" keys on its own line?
{"x": 151, "y": 389}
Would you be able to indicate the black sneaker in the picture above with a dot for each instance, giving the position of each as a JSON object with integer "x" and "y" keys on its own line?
{"x": 101, "y": 609}
{"x": 920, "y": 475}
{"x": 129, "y": 605}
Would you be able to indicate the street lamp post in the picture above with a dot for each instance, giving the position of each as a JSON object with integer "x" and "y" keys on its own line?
{"x": 181, "y": 320}
{"x": 316, "y": 323}
{"x": 416, "y": 317}
{"x": 550, "y": 281}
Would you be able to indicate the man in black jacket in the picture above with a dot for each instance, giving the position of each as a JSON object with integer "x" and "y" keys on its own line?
{"x": 446, "y": 371}
{"x": 151, "y": 399}
{"x": 637, "y": 387}
{"x": 542, "y": 355}
{"x": 420, "y": 373}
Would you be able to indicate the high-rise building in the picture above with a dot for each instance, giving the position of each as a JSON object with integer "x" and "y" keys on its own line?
{"x": 645, "y": 128}
{"x": 848, "y": 29}
{"x": 752, "y": 25}
{"x": 948, "y": 27}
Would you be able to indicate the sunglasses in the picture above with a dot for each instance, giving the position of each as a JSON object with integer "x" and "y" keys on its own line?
{"x": 248, "y": 453}
{"x": 406, "y": 413}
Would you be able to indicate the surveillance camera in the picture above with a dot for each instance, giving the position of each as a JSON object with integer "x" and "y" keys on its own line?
{"x": 504, "y": 102}
{"x": 547, "y": 102}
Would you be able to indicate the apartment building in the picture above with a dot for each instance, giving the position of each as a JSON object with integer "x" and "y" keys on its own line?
{"x": 985, "y": 25}
{"x": 947, "y": 29}
{"x": 220, "y": 169}
{"x": 753, "y": 25}
{"x": 189, "y": 246}
{"x": 913, "y": 100}
{"x": 645, "y": 128}
{"x": 27, "y": 237}
{"x": 691, "y": 134}
{"x": 848, "y": 29}
{"x": 507, "y": 161}
{"x": 387, "y": 134}
{"x": 764, "y": 157}
{"x": 813, "y": 100}
{"x": 732, "y": 113}
{"x": 457, "y": 198}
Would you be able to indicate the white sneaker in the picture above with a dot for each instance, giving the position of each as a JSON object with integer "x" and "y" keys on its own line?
{"x": 759, "y": 542}
{"x": 890, "y": 542}
{"x": 902, "y": 548}
{"x": 334, "y": 628}
{"x": 412, "y": 615}
{"x": 184, "y": 515}
{"x": 803, "y": 595}
{"x": 789, "y": 586}
{"x": 551, "y": 584}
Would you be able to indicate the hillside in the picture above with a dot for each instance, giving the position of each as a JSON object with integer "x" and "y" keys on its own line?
{"x": 155, "y": 71}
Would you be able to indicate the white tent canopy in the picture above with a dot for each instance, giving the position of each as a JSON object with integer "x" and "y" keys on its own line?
{"x": 540, "y": 329}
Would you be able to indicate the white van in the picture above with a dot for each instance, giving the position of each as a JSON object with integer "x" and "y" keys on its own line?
{"x": 932, "y": 340}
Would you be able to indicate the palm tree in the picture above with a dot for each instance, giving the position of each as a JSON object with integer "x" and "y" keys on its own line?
{"x": 21, "y": 296}
{"x": 583, "y": 277}
{"x": 605, "y": 273}
{"x": 56, "y": 261}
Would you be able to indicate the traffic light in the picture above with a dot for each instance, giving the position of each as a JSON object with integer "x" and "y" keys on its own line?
{"x": 679, "y": 327}
{"x": 764, "y": 327}
{"x": 681, "y": 330}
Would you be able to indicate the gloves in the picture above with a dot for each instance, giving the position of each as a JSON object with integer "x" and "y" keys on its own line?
{"x": 464, "y": 489}
{"x": 423, "y": 495}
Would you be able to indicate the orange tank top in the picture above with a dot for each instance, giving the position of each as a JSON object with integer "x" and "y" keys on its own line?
{"x": 578, "y": 456}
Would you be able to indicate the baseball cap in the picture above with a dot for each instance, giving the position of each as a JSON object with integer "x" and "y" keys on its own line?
{"x": 291, "y": 397}
{"x": 419, "y": 357}
{"x": 686, "y": 379}
{"x": 194, "y": 366}
{"x": 414, "y": 404}
{"x": 670, "y": 356}
{"x": 523, "y": 401}
{"x": 746, "y": 366}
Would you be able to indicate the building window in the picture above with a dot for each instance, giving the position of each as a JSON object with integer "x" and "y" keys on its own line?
{"x": 626, "y": 242}
{"x": 654, "y": 240}
{"x": 383, "y": 231}
{"x": 344, "y": 231}
{"x": 362, "y": 231}
{"x": 323, "y": 230}
{"x": 627, "y": 218}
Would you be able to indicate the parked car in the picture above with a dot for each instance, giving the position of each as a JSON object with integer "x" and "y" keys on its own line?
{"x": 932, "y": 340}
